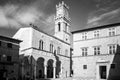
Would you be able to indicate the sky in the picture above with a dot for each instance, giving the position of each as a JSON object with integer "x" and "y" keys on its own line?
{"x": 16, "y": 14}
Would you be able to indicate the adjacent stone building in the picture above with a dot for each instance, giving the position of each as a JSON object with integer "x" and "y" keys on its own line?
{"x": 45, "y": 55}
{"x": 97, "y": 52}
{"x": 9, "y": 58}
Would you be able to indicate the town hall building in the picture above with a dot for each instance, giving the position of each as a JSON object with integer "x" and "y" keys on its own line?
{"x": 44, "y": 55}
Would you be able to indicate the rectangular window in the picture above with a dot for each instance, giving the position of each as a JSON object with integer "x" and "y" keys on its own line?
{"x": 9, "y": 45}
{"x": 0, "y": 43}
{"x": 112, "y": 66}
{"x": 103, "y": 72}
{"x": 0, "y": 57}
{"x": 96, "y": 34}
{"x": 84, "y": 52}
{"x": 9, "y": 58}
{"x": 97, "y": 50}
{"x": 111, "y": 31}
{"x": 84, "y": 36}
{"x": 84, "y": 66}
{"x": 112, "y": 49}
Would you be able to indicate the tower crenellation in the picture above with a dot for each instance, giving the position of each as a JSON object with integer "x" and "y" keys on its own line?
{"x": 62, "y": 4}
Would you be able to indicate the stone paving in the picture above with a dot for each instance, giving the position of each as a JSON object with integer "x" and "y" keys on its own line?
{"x": 70, "y": 78}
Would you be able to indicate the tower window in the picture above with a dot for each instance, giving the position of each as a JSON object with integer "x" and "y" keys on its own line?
{"x": 59, "y": 26}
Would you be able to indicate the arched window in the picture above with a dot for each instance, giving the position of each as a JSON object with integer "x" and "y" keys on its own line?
{"x": 51, "y": 48}
{"x": 41, "y": 45}
{"x": 59, "y": 25}
{"x": 58, "y": 50}
{"x": 66, "y": 52}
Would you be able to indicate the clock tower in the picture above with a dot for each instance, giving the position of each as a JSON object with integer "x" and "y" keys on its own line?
{"x": 62, "y": 22}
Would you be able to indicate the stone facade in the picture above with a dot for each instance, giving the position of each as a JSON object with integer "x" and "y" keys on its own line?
{"x": 44, "y": 55}
{"x": 96, "y": 52}
{"x": 9, "y": 58}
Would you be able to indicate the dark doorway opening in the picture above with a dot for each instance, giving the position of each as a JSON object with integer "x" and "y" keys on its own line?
{"x": 50, "y": 68}
{"x": 103, "y": 72}
{"x": 40, "y": 74}
{"x": 50, "y": 72}
{"x": 3, "y": 74}
{"x": 40, "y": 68}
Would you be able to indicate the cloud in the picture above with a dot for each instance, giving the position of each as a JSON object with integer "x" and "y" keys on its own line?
{"x": 28, "y": 15}
{"x": 46, "y": 24}
{"x": 109, "y": 15}
{"x": 105, "y": 13}
{"x": 6, "y": 14}
{"x": 20, "y": 13}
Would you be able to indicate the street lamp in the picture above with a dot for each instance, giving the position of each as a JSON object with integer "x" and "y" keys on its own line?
{"x": 3, "y": 55}
{"x": 4, "y": 70}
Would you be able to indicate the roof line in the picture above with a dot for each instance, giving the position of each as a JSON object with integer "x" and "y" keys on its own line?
{"x": 9, "y": 38}
{"x": 36, "y": 28}
{"x": 98, "y": 27}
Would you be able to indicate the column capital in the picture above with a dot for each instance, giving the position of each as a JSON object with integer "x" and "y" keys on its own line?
{"x": 54, "y": 71}
{"x": 54, "y": 64}
{"x": 45, "y": 63}
{"x": 45, "y": 71}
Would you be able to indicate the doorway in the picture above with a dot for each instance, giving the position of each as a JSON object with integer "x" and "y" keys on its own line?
{"x": 3, "y": 74}
{"x": 40, "y": 74}
{"x": 103, "y": 72}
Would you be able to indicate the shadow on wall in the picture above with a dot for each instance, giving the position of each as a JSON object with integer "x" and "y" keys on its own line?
{"x": 58, "y": 65}
{"x": 25, "y": 67}
{"x": 114, "y": 71}
{"x": 71, "y": 62}
{"x": 26, "y": 70}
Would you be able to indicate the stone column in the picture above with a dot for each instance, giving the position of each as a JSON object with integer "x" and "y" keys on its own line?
{"x": 45, "y": 70}
{"x": 61, "y": 72}
{"x": 54, "y": 70}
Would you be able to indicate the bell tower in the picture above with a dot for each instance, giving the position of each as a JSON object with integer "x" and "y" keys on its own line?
{"x": 62, "y": 22}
